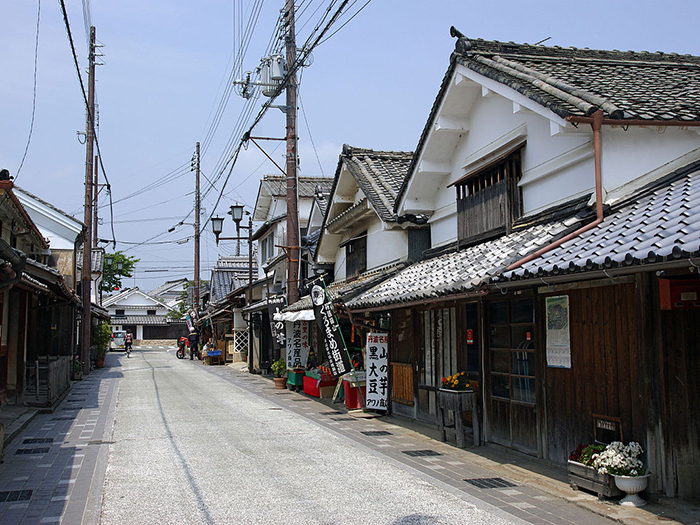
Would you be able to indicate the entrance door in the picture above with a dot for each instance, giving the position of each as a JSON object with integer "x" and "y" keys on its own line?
{"x": 511, "y": 389}
{"x": 438, "y": 358}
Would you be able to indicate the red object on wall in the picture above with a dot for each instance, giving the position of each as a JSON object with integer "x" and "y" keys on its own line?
{"x": 679, "y": 294}
{"x": 470, "y": 336}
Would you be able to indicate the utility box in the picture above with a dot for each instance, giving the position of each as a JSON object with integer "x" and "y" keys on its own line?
{"x": 679, "y": 294}
{"x": 272, "y": 72}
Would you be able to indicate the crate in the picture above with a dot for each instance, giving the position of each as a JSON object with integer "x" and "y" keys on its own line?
{"x": 313, "y": 386}
{"x": 585, "y": 477}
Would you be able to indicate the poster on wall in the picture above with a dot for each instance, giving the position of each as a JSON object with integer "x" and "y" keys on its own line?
{"x": 297, "y": 343}
{"x": 275, "y": 306}
{"x": 558, "y": 337}
{"x": 377, "y": 371}
{"x": 333, "y": 344}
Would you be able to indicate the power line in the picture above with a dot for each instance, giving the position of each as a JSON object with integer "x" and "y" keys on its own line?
{"x": 36, "y": 56}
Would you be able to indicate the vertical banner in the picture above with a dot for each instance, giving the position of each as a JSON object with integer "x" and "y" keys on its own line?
{"x": 275, "y": 306}
{"x": 558, "y": 338}
{"x": 333, "y": 344}
{"x": 297, "y": 343}
{"x": 377, "y": 371}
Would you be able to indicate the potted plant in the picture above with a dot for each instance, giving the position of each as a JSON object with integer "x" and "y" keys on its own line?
{"x": 582, "y": 473}
{"x": 77, "y": 368}
{"x": 279, "y": 368}
{"x": 622, "y": 462}
{"x": 457, "y": 382}
{"x": 100, "y": 339}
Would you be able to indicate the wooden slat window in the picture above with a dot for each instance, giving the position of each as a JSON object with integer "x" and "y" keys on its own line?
{"x": 489, "y": 200}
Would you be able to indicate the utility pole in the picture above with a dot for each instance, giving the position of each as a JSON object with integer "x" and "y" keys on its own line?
{"x": 196, "y": 232}
{"x": 292, "y": 181}
{"x": 86, "y": 319}
{"x": 95, "y": 186}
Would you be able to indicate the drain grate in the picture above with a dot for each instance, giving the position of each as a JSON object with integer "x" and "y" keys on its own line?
{"x": 275, "y": 408}
{"x": 37, "y": 450}
{"x": 15, "y": 495}
{"x": 343, "y": 419}
{"x": 490, "y": 483}
{"x": 375, "y": 433}
{"x": 97, "y": 442}
{"x": 300, "y": 400}
{"x": 62, "y": 418}
{"x": 421, "y": 453}
{"x": 334, "y": 413}
{"x": 37, "y": 441}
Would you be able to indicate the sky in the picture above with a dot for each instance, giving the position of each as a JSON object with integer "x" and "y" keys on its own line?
{"x": 162, "y": 86}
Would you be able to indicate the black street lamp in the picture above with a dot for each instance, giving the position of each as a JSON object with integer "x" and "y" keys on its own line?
{"x": 217, "y": 225}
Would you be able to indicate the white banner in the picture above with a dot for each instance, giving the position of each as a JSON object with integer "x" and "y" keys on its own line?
{"x": 377, "y": 371}
{"x": 297, "y": 343}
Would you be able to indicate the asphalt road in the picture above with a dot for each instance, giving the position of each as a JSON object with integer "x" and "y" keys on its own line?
{"x": 188, "y": 446}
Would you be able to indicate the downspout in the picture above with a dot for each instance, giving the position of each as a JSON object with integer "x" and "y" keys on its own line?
{"x": 596, "y": 121}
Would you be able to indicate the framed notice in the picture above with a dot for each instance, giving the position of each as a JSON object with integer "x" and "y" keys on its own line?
{"x": 297, "y": 343}
{"x": 558, "y": 337}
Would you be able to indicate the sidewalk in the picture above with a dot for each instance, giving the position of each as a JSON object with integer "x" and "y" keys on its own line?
{"x": 524, "y": 470}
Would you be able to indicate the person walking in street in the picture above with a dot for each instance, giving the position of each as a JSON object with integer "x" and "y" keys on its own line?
{"x": 193, "y": 339}
{"x": 128, "y": 340}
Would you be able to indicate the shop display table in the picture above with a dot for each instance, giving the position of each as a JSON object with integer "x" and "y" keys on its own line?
{"x": 295, "y": 380}
{"x": 319, "y": 385}
{"x": 457, "y": 401}
{"x": 211, "y": 357}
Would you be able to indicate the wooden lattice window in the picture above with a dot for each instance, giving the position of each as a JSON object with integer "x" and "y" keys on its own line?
{"x": 240, "y": 340}
{"x": 489, "y": 199}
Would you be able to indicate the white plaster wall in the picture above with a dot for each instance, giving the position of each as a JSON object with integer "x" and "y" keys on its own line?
{"x": 628, "y": 155}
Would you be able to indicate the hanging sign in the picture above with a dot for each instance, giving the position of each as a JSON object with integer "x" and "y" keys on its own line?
{"x": 275, "y": 306}
{"x": 377, "y": 380}
{"x": 558, "y": 338}
{"x": 333, "y": 343}
{"x": 297, "y": 343}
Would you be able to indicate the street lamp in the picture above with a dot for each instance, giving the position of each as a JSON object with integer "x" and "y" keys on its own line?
{"x": 217, "y": 226}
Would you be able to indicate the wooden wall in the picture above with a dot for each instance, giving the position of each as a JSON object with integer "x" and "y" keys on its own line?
{"x": 679, "y": 358}
{"x": 604, "y": 377}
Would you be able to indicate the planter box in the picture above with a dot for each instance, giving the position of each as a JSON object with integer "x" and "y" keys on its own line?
{"x": 584, "y": 477}
{"x": 313, "y": 386}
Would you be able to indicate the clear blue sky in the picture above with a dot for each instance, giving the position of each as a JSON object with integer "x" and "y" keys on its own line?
{"x": 166, "y": 65}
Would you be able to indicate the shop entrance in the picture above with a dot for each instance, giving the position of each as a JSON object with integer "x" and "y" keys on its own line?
{"x": 511, "y": 387}
{"x": 438, "y": 358}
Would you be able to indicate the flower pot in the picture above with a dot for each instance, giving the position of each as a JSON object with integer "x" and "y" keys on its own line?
{"x": 586, "y": 477}
{"x": 100, "y": 362}
{"x": 632, "y": 485}
{"x": 280, "y": 382}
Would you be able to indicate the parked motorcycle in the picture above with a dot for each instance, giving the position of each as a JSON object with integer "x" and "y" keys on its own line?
{"x": 181, "y": 344}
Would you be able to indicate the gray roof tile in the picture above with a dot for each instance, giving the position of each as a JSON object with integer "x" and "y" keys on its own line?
{"x": 276, "y": 185}
{"x": 654, "y": 225}
{"x": 457, "y": 272}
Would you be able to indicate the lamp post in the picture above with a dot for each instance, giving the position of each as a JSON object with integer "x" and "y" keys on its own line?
{"x": 217, "y": 224}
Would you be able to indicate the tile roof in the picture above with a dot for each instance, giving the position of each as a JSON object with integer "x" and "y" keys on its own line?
{"x": 347, "y": 289}
{"x": 229, "y": 274}
{"x": 660, "y": 223}
{"x": 577, "y": 82}
{"x": 571, "y": 81}
{"x": 459, "y": 271}
{"x": 276, "y": 185}
{"x": 144, "y": 319}
{"x": 379, "y": 174}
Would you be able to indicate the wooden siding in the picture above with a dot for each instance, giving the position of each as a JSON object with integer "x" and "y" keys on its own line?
{"x": 604, "y": 377}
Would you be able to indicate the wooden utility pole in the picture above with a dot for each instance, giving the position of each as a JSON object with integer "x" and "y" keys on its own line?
{"x": 196, "y": 232}
{"x": 85, "y": 291}
{"x": 292, "y": 181}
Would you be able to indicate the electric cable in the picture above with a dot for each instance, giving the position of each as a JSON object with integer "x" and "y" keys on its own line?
{"x": 31, "y": 125}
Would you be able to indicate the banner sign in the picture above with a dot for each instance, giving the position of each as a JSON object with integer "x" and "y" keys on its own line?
{"x": 297, "y": 343}
{"x": 275, "y": 306}
{"x": 333, "y": 344}
{"x": 377, "y": 380}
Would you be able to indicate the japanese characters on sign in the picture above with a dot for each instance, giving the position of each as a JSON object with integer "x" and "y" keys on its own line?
{"x": 333, "y": 343}
{"x": 377, "y": 371}
{"x": 274, "y": 306}
{"x": 297, "y": 343}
